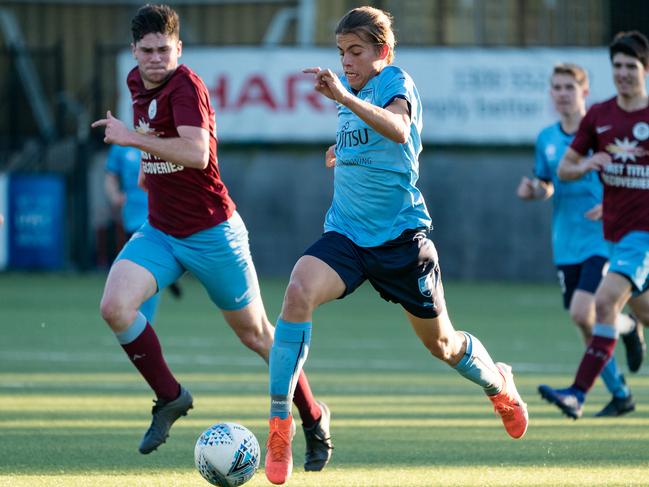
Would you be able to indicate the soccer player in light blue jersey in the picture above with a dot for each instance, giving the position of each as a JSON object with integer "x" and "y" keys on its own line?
{"x": 377, "y": 230}
{"x": 580, "y": 251}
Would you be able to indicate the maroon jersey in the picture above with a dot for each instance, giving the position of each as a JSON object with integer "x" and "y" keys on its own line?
{"x": 182, "y": 200}
{"x": 625, "y": 137}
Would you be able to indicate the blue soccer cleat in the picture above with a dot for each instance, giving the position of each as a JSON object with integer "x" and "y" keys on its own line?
{"x": 569, "y": 400}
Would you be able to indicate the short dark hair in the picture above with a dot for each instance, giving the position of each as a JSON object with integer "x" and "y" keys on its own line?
{"x": 632, "y": 43}
{"x": 155, "y": 19}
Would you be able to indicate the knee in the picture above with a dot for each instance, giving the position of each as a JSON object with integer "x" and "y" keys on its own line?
{"x": 116, "y": 314}
{"x": 605, "y": 310}
{"x": 257, "y": 341}
{"x": 584, "y": 319}
{"x": 298, "y": 299}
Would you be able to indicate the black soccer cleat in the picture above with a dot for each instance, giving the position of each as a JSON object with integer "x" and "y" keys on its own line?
{"x": 635, "y": 346}
{"x": 165, "y": 413}
{"x": 319, "y": 447}
{"x": 565, "y": 399}
{"x": 619, "y": 406}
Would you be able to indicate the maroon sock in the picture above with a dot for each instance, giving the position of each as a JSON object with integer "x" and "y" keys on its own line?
{"x": 599, "y": 351}
{"x": 146, "y": 354}
{"x": 303, "y": 399}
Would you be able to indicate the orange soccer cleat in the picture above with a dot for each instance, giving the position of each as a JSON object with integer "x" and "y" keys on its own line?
{"x": 279, "y": 457}
{"x": 509, "y": 405}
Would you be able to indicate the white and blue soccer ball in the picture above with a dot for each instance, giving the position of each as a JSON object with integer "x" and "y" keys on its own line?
{"x": 227, "y": 454}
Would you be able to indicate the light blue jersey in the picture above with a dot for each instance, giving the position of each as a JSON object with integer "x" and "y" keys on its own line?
{"x": 575, "y": 238}
{"x": 375, "y": 197}
{"x": 124, "y": 162}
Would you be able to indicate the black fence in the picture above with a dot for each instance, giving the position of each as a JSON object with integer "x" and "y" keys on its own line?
{"x": 17, "y": 121}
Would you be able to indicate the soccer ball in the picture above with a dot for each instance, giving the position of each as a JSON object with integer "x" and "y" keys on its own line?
{"x": 227, "y": 454}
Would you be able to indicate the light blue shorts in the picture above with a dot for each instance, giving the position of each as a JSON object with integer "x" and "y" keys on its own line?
{"x": 219, "y": 257}
{"x": 630, "y": 258}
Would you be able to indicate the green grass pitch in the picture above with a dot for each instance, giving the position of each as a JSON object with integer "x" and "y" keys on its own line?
{"x": 72, "y": 408}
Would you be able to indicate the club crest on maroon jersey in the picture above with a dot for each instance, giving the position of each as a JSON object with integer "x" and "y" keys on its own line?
{"x": 641, "y": 131}
{"x": 153, "y": 109}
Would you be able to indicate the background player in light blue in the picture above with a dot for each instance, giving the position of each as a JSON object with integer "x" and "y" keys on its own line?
{"x": 125, "y": 196}
{"x": 122, "y": 169}
{"x": 580, "y": 251}
{"x": 376, "y": 230}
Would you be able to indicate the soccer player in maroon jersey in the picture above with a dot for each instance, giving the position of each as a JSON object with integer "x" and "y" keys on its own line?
{"x": 192, "y": 226}
{"x": 578, "y": 245}
{"x": 617, "y": 133}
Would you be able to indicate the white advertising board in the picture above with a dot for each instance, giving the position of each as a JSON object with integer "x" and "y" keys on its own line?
{"x": 469, "y": 96}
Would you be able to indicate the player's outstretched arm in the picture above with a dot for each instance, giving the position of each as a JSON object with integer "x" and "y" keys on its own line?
{"x": 573, "y": 165}
{"x": 534, "y": 189}
{"x": 392, "y": 122}
{"x": 190, "y": 149}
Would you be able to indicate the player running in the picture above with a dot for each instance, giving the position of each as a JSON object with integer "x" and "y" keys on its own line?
{"x": 617, "y": 133}
{"x": 580, "y": 251}
{"x": 130, "y": 202}
{"x": 193, "y": 226}
{"x": 376, "y": 230}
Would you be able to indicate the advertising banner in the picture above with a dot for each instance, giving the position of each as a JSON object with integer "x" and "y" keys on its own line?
{"x": 469, "y": 96}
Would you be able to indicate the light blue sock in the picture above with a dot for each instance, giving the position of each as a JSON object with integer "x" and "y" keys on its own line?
{"x": 289, "y": 351}
{"x": 614, "y": 380}
{"x": 477, "y": 366}
{"x": 133, "y": 331}
{"x": 149, "y": 307}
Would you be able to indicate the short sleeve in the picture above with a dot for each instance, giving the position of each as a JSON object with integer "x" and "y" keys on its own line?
{"x": 190, "y": 104}
{"x": 396, "y": 84}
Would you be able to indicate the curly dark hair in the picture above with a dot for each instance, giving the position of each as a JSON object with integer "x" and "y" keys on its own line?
{"x": 155, "y": 19}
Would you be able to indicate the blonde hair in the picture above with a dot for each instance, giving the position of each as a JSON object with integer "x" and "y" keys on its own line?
{"x": 577, "y": 72}
{"x": 370, "y": 24}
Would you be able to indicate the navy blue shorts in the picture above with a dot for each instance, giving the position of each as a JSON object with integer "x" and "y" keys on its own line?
{"x": 404, "y": 270}
{"x": 585, "y": 277}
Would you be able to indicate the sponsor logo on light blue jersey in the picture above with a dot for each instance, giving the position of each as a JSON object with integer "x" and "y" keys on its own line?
{"x": 375, "y": 194}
